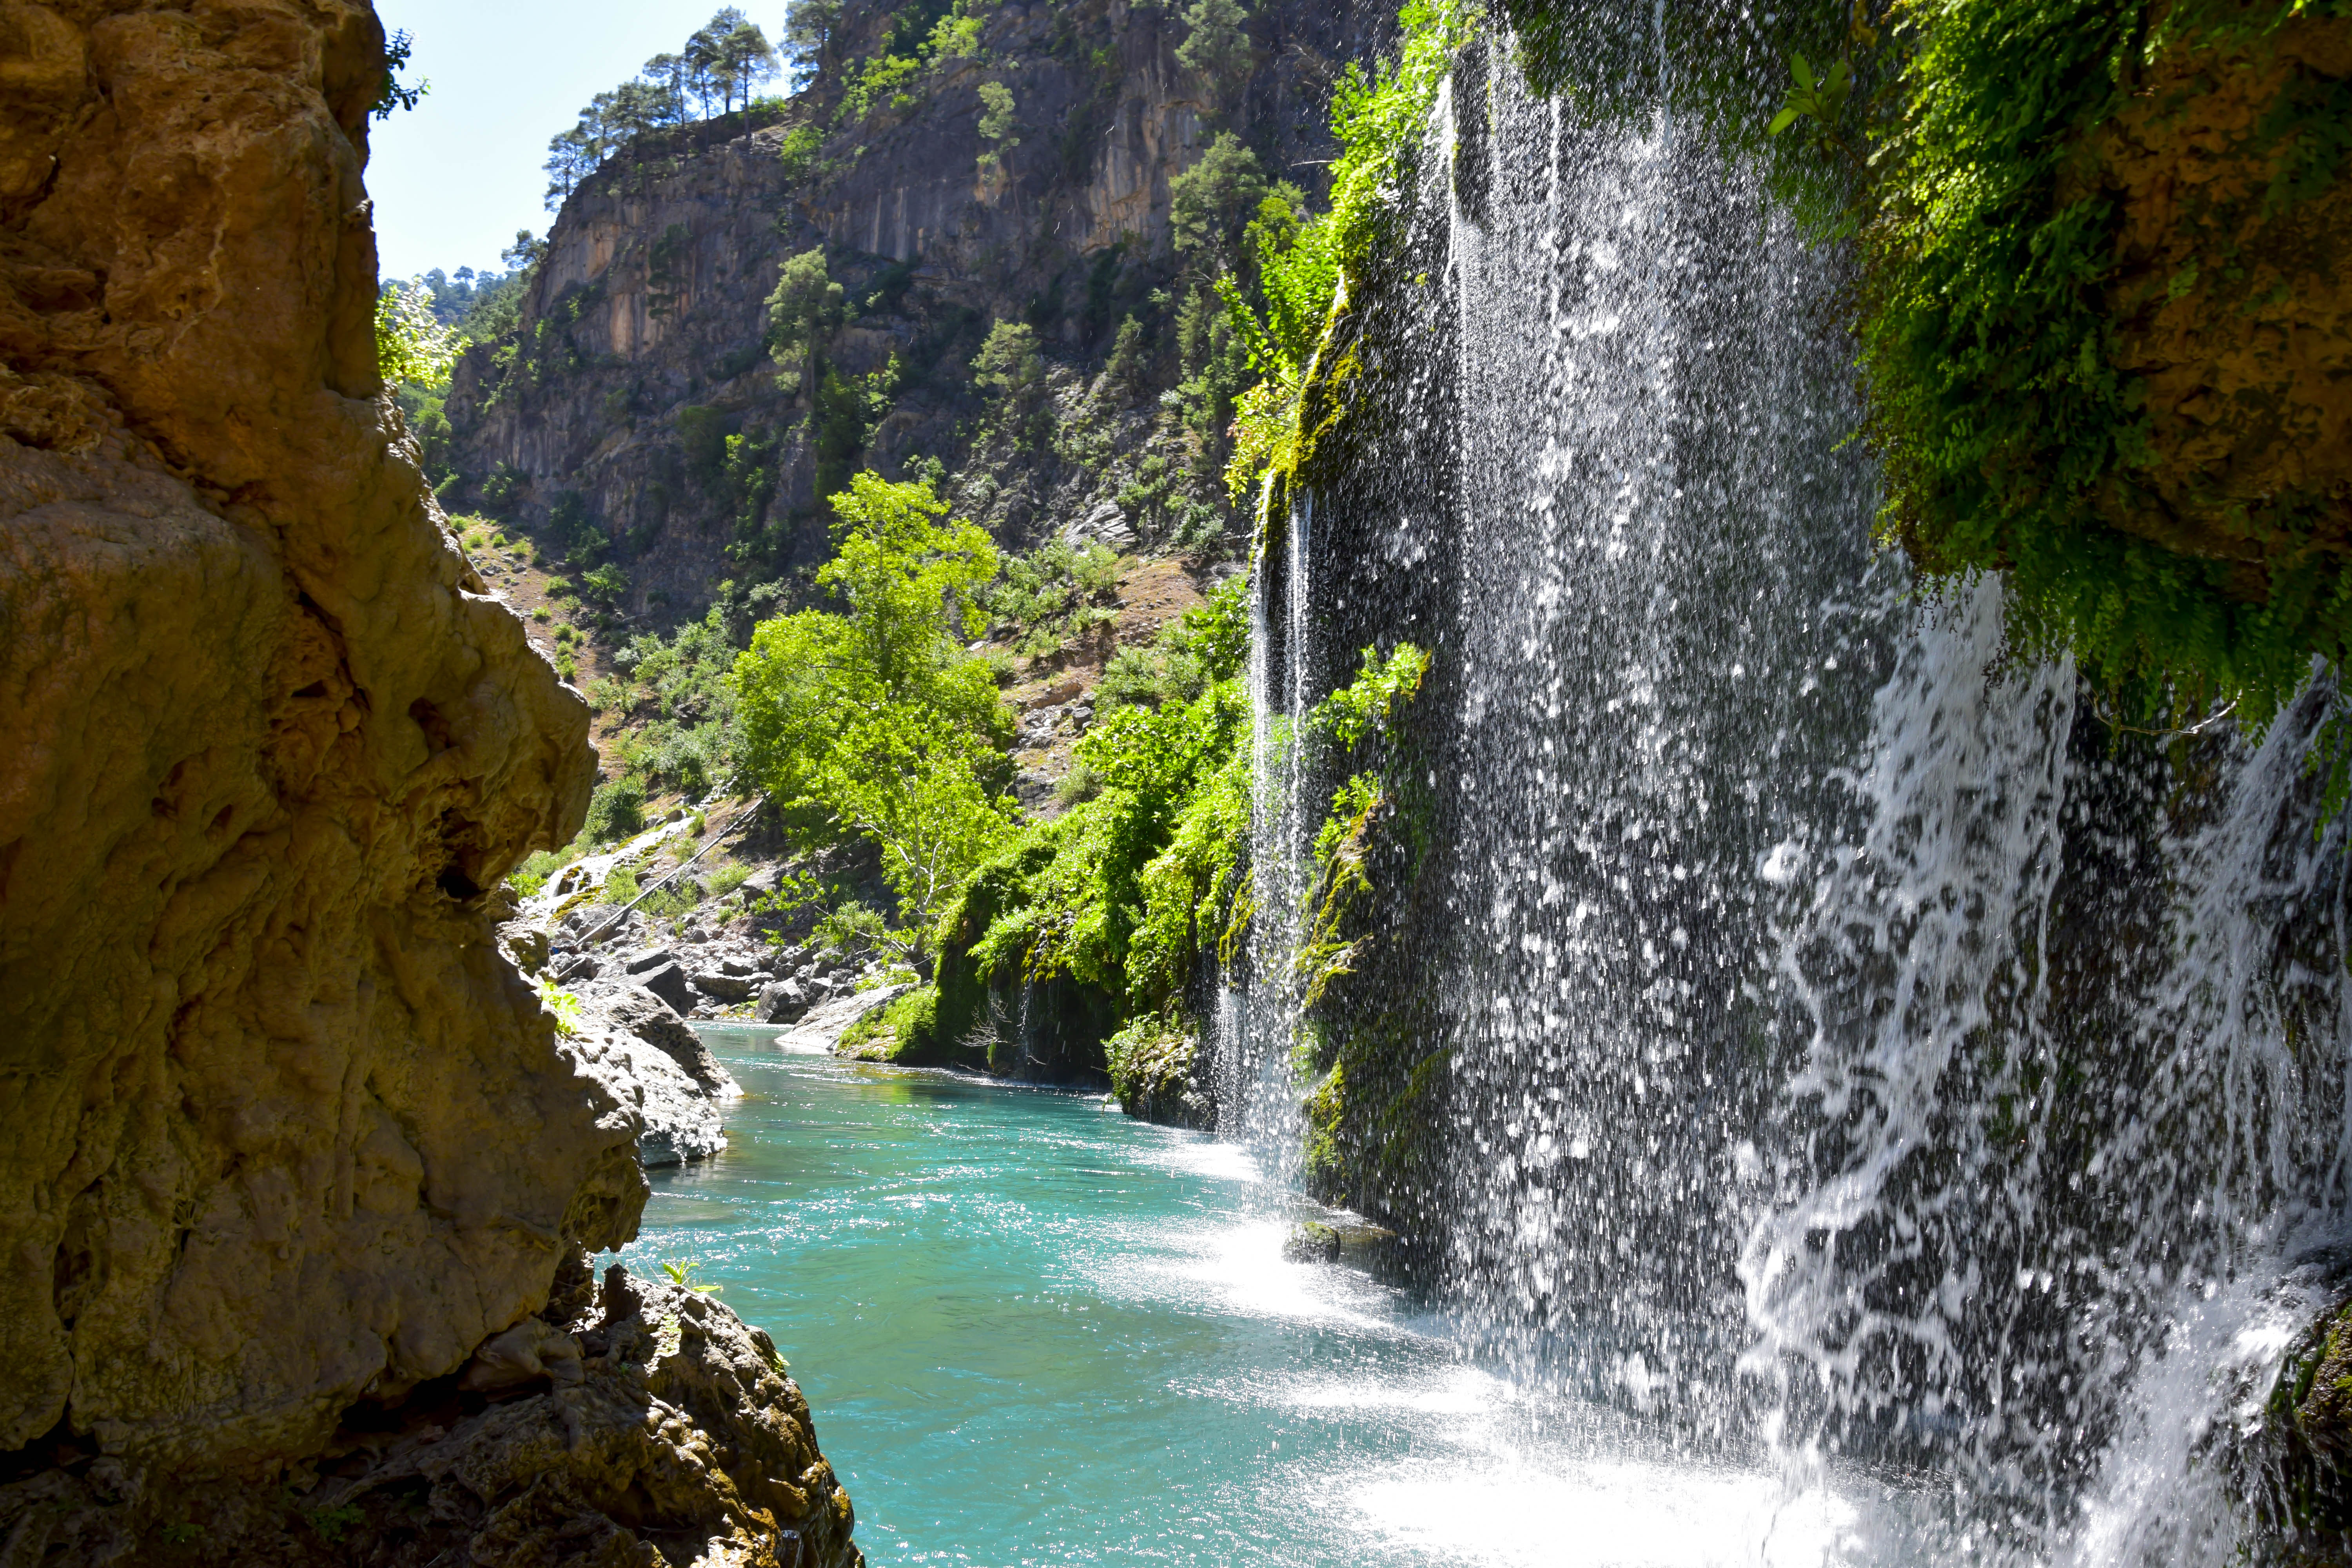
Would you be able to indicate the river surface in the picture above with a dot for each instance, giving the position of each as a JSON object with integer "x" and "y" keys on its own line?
{"x": 1034, "y": 1330}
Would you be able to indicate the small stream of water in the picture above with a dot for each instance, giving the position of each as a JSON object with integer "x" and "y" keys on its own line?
{"x": 1035, "y": 1332}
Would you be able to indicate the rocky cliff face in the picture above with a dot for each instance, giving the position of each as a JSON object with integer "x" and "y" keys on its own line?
{"x": 645, "y": 342}
{"x": 288, "y": 1137}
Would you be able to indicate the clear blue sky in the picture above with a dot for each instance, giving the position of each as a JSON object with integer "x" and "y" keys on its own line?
{"x": 456, "y": 177}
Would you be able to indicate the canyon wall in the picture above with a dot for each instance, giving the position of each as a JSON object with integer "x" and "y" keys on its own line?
{"x": 289, "y": 1137}
{"x": 644, "y": 339}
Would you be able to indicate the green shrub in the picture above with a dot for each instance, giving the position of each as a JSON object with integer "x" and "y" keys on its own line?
{"x": 1379, "y": 123}
{"x": 914, "y": 1024}
{"x": 799, "y": 151}
{"x": 1054, "y": 594}
{"x": 621, "y": 885}
{"x": 616, "y": 811}
{"x": 530, "y": 877}
{"x": 679, "y": 898}
{"x": 729, "y": 876}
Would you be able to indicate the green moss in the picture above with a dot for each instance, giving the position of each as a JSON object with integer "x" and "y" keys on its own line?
{"x": 1994, "y": 162}
{"x": 1301, "y": 347}
{"x": 1991, "y": 325}
{"x": 1152, "y": 1060}
{"x": 913, "y": 1021}
{"x": 1103, "y": 915}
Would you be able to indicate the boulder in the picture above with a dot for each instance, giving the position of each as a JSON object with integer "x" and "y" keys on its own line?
{"x": 649, "y": 1018}
{"x": 1105, "y": 525}
{"x": 739, "y": 966}
{"x": 669, "y": 983}
{"x": 680, "y": 1125}
{"x": 648, "y": 1413}
{"x": 821, "y": 1029}
{"x": 524, "y": 1354}
{"x": 722, "y": 985}
{"x": 782, "y": 1003}
{"x": 1312, "y": 1242}
{"x": 648, "y": 961}
{"x": 527, "y": 944}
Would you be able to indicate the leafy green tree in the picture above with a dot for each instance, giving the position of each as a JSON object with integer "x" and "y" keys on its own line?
{"x": 1209, "y": 202}
{"x": 1214, "y": 47}
{"x": 872, "y": 718}
{"x": 412, "y": 346}
{"x": 917, "y": 792}
{"x": 954, "y": 37}
{"x": 398, "y": 49}
{"x": 803, "y": 311}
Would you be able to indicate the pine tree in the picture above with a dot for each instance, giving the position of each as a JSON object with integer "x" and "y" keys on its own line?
{"x": 804, "y": 308}
{"x": 808, "y": 32}
{"x": 1215, "y": 47}
{"x": 748, "y": 59}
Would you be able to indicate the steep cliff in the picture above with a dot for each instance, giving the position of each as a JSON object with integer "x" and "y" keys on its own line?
{"x": 289, "y": 1137}
{"x": 646, "y": 346}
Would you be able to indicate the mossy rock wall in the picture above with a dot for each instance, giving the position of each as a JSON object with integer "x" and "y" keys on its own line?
{"x": 1382, "y": 461}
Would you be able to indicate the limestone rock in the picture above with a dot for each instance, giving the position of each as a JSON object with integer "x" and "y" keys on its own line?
{"x": 288, "y": 1134}
{"x": 721, "y": 985}
{"x": 678, "y": 1124}
{"x": 821, "y": 1029}
{"x": 1311, "y": 1241}
{"x": 657, "y": 276}
{"x": 523, "y": 1354}
{"x": 657, "y": 1422}
{"x": 284, "y": 1125}
{"x": 1105, "y": 525}
{"x": 645, "y": 1015}
{"x": 782, "y": 1003}
{"x": 669, "y": 983}
{"x": 1160, "y": 1075}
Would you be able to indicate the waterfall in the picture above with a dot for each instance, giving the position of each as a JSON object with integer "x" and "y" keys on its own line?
{"x": 1860, "y": 1056}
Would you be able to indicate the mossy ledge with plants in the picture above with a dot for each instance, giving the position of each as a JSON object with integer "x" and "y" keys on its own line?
{"x": 2098, "y": 300}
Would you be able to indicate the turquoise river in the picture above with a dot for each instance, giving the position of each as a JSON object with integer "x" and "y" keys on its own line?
{"x": 1035, "y": 1332}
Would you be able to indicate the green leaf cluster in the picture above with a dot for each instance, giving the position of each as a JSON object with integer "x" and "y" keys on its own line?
{"x": 1123, "y": 893}
{"x": 872, "y": 720}
{"x": 1988, "y": 323}
{"x": 412, "y": 346}
{"x": 1379, "y": 120}
{"x": 1054, "y": 594}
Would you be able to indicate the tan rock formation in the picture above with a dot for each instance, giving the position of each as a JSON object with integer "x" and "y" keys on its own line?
{"x": 2231, "y": 298}
{"x": 286, "y": 1128}
{"x": 653, "y": 1428}
{"x": 285, "y": 1131}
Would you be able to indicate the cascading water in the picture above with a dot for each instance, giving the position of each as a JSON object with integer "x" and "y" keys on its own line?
{"x": 1855, "y": 1051}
